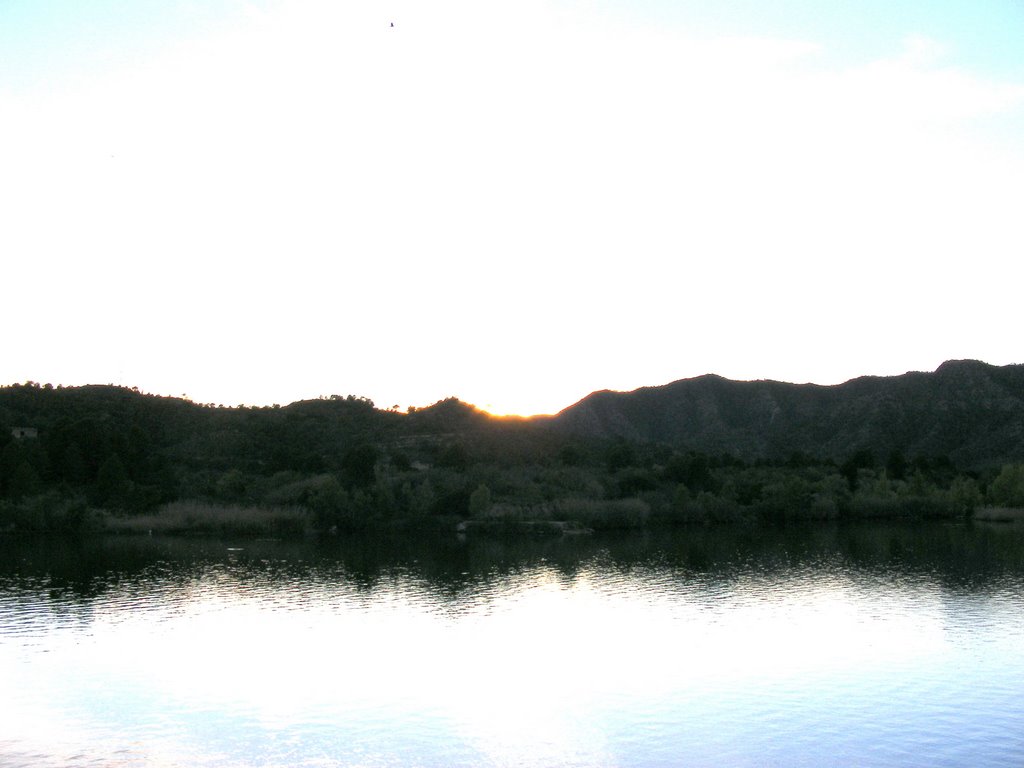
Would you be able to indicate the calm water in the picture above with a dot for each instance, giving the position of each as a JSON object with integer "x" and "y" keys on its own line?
{"x": 867, "y": 645}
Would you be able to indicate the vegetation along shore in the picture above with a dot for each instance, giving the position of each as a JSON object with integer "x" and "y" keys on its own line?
{"x": 945, "y": 444}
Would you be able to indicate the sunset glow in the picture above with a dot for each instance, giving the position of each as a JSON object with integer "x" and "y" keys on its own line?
{"x": 262, "y": 202}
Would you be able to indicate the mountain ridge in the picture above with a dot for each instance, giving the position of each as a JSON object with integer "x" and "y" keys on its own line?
{"x": 967, "y": 410}
{"x": 695, "y": 450}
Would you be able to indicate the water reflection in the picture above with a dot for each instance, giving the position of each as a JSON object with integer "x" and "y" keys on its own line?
{"x": 882, "y": 645}
{"x": 958, "y": 557}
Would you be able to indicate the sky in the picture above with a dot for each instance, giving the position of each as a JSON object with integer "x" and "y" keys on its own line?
{"x": 512, "y": 203}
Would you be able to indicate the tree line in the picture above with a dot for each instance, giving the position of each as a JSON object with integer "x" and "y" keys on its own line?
{"x": 76, "y": 458}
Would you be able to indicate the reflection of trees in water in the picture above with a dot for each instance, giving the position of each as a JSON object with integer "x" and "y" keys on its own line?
{"x": 959, "y": 556}
{"x": 956, "y": 556}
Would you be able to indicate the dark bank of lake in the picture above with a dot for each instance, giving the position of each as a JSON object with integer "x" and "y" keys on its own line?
{"x": 871, "y": 644}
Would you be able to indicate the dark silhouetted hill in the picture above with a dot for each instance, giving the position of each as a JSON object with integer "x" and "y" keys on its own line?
{"x": 968, "y": 411}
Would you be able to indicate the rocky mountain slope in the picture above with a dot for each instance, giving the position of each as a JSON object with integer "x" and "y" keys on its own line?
{"x": 968, "y": 411}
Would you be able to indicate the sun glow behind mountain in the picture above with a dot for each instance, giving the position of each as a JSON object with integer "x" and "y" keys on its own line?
{"x": 517, "y": 204}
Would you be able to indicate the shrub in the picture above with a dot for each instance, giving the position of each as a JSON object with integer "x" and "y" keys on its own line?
{"x": 1008, "y": 487}
{"x": 480, "y": 501}
{"x": 200, "y": 517}
{"x": 605, "y": 513}
{"x": 47, "y": 512}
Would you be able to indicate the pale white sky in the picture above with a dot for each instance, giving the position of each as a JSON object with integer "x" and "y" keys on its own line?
{"x": 513, "y": 203}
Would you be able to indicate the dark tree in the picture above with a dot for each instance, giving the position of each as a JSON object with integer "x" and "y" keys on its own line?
{"x": 359, "y": 464}
{"x": 112, "y": 484}
{"x": 896, "y": 465}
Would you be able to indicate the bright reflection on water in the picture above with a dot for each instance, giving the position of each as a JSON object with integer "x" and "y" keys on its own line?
{"x": 869, "y": 645}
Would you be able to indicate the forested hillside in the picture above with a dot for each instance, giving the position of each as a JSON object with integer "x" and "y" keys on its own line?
{"x": 966, "y": 411}
{"x": 704, "y": 449}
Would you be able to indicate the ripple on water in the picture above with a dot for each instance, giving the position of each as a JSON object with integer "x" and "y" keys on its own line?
{"x": 243, "y": 658}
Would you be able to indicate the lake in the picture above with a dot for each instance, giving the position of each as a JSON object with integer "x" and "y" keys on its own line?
{"x": 871, "y": 644}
